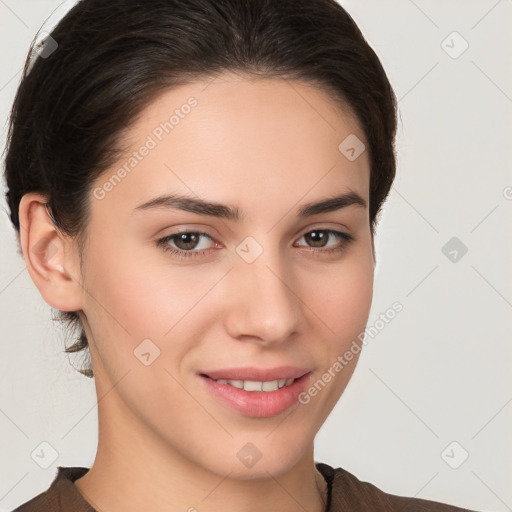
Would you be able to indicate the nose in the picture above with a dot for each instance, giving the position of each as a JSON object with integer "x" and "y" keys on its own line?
{"x": 264, "y": 308}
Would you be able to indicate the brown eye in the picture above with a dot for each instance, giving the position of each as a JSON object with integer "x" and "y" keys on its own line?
{"x": 186, "y": 241}
{"x": 319, "y": 238}
{"x": 184, "y": 244}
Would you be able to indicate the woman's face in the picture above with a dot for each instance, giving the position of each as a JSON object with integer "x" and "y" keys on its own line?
{"x": 263, "y": 297}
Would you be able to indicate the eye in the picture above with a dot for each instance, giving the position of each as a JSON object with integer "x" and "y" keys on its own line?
{"x": 187, "y": 244}
{"x": 319, "y": 238}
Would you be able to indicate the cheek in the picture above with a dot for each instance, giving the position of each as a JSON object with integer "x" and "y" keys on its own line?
{"x": 342, "y": 299}
{"x": 129, "y": 292}
{"x": 165, "y": 303}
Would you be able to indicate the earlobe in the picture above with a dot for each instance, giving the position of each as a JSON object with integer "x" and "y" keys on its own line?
{"x": 47, "y": 254}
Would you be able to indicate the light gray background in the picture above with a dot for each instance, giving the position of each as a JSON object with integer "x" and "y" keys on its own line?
{"x": 440, "y": 371}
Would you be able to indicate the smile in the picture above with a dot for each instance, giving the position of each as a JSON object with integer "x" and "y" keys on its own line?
{"x": 257, "y": 393}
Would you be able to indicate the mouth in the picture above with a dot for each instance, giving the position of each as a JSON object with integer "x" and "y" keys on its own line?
{"x": 257, "y": 392}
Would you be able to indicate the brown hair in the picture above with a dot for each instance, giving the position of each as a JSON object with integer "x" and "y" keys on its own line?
{"x": 114, "y": 57}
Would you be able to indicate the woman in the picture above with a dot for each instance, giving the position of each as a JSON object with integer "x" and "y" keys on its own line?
{"x": 196, "y": 186}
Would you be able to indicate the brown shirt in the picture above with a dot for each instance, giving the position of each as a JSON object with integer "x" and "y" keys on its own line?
{"x": 345, "y": 494}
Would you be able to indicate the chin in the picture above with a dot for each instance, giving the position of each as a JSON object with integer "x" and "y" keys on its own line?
{"x": 256, "y": 460}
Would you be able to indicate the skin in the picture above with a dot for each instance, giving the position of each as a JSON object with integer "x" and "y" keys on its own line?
{"x": 266, "y": 146}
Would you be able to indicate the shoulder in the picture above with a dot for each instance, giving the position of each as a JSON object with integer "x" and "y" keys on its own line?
{"x": 61, "y": 496}
{"x": 348, "y": 493}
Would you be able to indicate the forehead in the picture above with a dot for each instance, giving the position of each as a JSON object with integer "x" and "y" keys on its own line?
{"x": 236, "y": 137}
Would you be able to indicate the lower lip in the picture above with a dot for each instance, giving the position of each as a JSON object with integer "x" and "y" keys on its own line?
{"x": 258, "y": 404}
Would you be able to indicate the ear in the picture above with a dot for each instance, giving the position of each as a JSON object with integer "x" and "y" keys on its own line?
{"x": 50, "y": 256}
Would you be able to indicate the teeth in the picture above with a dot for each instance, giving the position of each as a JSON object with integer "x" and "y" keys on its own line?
{"x": 252, "y": 385}
{"x": 269, "y": 386}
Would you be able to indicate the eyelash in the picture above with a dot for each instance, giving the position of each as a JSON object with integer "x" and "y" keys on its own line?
{"x": 162, "y": 242}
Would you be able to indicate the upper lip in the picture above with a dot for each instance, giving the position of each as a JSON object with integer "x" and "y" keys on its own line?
{"x": 257, "y": 374}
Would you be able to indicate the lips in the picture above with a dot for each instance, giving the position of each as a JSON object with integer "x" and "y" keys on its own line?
{"x": 257, "y": 392}
{"x": 258, "y": 404}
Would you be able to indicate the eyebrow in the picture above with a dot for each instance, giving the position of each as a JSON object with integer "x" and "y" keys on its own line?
{"x": 232, "y": 213}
